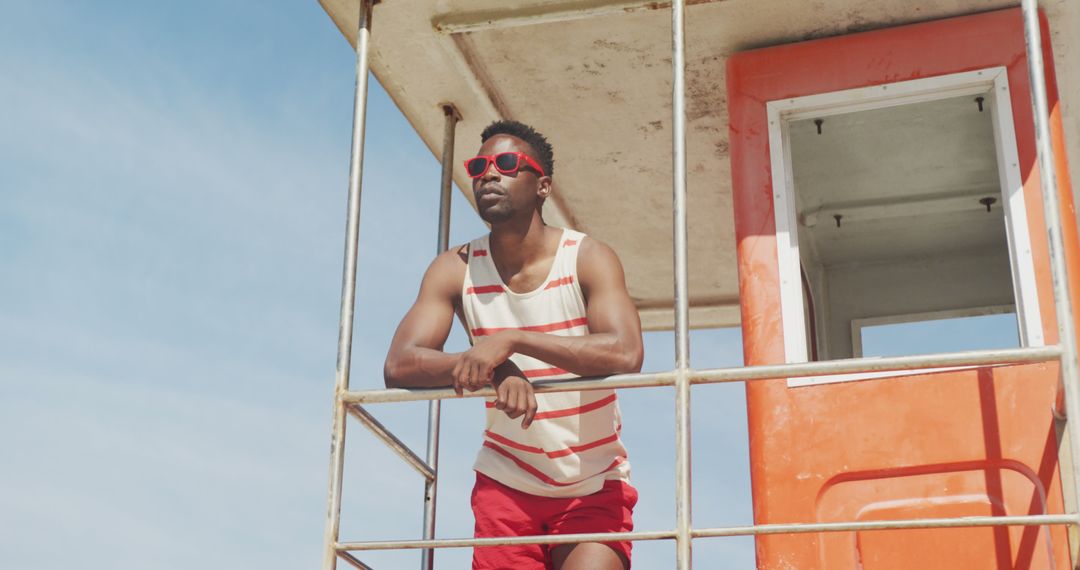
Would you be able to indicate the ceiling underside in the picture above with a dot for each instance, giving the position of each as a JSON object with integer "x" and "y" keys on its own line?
{"x": 900, "y": 182}
{"x": 595, "y": 77}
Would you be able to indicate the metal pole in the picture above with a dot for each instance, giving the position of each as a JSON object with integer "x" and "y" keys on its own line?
{"x": 751, "y": 530}
{"x": 997, "y": 356}
{"x": 447, "y": 182}
{"x": 683, "y": 559}
{"x": 507, "y": 541}
{"x": 384, "y": 396}
{"x": 1070, "y": 368}
{"x": 427, "y": 558}
{"x": 959, "y": 522}
{"x": 348, "y": 291}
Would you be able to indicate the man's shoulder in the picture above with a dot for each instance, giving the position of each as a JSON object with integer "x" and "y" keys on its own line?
{"x": 598, "y": 266}
{"x": 447, "y": 270}
{"x": 452, "y": 260}
{"x": 592, "y": 248}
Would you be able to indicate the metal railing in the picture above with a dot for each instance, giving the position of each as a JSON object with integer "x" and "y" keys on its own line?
{"x": 682, "y": 377}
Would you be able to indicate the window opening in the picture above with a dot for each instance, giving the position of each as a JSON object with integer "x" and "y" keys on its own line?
{"x": 947, "y": 332}
{"x": 899, "y": 208}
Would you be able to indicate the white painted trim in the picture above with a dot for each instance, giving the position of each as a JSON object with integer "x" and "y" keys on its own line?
{"x": 1016, "y": 221}
{"x": 888, "y": 95}
{"x": 856, "y": 376}
{"x": 787, "y": 239}
{"x": 992, "y": 81}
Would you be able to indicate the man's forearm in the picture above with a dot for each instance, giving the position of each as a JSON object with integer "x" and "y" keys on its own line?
{"x": 589, "y": 355}
{"x": 418, "y": 367}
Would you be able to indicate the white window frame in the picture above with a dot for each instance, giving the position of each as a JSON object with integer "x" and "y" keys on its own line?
{"x": 992, "y": 83}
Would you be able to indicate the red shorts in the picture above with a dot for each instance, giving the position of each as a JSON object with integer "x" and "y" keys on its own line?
{"x": 502, "y": 511}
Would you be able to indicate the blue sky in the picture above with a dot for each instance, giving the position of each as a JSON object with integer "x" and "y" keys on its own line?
{"x": 172, "y": 192}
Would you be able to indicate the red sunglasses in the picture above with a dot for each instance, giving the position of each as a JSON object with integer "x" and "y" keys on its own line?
{"x": 505, "y": 163}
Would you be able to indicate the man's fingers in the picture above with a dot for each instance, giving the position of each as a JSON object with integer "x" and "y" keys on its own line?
{"x": 455, "y": 374}
{"x": 471, "y": 382}
{"x": 500, "y": 397}
{"x": 520, "y": 401}
{"x": 482, "y": 377}
{"x": 515, "y": 403}
{"x": 508, "y": 404}
{"x": 530, "y": 412}
{"x": 478, "y": 377}
{"x": 511, "y": 409}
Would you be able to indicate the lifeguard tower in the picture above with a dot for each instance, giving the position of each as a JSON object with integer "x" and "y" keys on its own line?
{"x": 836, "y": 166}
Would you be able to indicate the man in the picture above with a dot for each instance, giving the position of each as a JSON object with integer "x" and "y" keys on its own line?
{"x": 538, "y": 303}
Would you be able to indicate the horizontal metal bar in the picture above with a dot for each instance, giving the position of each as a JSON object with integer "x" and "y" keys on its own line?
{"x": 852, "y": 365}
{"x": 505, "y": 540}
{"x": 961, "y": 522}
{"x": 793, "y": 528}
{"x": 541, "y": 386}
{"x": 739, "y": 374}
{"x": 391, "y": 441}
{"x": 353, "y": 561}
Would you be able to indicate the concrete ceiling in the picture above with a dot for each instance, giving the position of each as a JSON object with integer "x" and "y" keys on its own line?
{"x": 906, "y": 182}
{"x": 595, "y": 77}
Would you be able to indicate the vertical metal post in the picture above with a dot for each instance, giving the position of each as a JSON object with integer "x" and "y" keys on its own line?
{"x": 348, "y": 290}
{"x": 682, "y": 307}
{"x": 1070, "y": 368}
{"x": 449, "y": 129}
{"x": 427, "y": 558}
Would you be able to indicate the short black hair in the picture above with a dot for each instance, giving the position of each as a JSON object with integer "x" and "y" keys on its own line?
{"x": 539, "y": 143}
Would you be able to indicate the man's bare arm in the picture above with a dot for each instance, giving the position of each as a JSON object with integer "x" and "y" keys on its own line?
{"x": 416, "y": 358}
{"x": 612, "y": 346}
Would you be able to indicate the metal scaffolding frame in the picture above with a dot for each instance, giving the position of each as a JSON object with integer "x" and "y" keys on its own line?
{"x": 682, "y": 377}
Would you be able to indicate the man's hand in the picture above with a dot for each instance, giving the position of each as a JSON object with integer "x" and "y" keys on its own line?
{"x": 515, "y": 397}
{"x": 476, "y": 367}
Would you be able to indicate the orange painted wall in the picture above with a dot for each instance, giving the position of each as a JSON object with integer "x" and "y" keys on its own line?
{"x": 972, "y": 442}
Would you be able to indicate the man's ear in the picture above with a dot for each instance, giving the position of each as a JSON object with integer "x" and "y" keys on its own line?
{"x": 544, "y": 189}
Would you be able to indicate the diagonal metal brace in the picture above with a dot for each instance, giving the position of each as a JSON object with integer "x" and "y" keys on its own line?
{"x": 391, "y": 440}
{"x": 352, "y": 560}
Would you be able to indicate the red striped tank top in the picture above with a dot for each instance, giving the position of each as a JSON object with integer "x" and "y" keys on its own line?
{"x": 573, "y": 444}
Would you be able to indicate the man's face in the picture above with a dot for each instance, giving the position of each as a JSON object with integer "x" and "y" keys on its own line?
{"x": 500, "y": 197}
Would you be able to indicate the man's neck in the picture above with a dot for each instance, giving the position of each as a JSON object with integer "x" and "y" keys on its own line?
{"x": 515, "y": 244}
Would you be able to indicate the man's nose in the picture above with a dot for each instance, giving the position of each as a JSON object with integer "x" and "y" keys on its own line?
{"x": 491, "y": 173}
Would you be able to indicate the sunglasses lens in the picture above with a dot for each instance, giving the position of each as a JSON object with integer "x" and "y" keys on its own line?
{"x": 506, "y": 162}
{"x": 476, "y": 166}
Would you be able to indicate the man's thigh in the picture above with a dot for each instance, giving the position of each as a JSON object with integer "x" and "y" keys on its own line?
{"x": 587, "y": 556}
{"x": 609, "y": 510}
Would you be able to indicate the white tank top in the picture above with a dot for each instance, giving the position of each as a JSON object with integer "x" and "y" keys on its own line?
{"x": 573, "y": 444}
